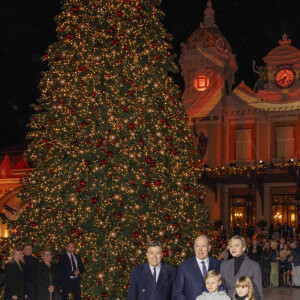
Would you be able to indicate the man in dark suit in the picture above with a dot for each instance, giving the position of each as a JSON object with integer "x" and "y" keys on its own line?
{"x": 70, "y": 268}
{"x": 152, "y": 280}
{"x": 189, "y": 282}
{"x": 30, "y": 263}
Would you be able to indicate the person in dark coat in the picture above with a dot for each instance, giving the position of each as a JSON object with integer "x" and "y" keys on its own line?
{"x": 15, "y": 274}
{"x": 190, "y": 282}
{"x": 222, "y": 232}
{"x": 254, "y": 252}
{"x": 2, "y": 276}
{"x": 295, "y": 248}
{"x": 278, "y": 229}
{"x": 30, "y": 263}
{"x": 285, "y": 230}
{"x": 70, "y": 268}
{"x": 271, "y": 230}
{"x": 265, "y": 264}
{"x": 47, "y": 279}
{"x": 152, "y": 280}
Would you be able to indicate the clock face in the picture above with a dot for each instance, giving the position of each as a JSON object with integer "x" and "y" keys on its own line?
{"x": 284, "y": 78}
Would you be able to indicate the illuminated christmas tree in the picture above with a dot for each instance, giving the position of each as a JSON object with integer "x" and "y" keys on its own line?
{"x": 114, "y": 163}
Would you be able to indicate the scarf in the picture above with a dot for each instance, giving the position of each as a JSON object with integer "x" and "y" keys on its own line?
{"x": 238, "y": 262}
{"x": 237, "y": 297}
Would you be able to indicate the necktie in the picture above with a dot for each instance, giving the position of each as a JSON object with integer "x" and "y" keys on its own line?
{"x": 73, "y": 263}
{"x": 154, "y": 274}
{"x": 204, "y": 270}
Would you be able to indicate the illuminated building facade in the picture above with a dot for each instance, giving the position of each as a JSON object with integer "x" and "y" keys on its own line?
{"x": 12, "y": 169}
{"x": 250, "y": 139}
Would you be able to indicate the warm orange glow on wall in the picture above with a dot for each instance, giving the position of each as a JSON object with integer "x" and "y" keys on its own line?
{"x": 201, "y": 83}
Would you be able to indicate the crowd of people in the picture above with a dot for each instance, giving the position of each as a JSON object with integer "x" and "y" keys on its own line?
{"x": 243, "y": 268}
{"x": 277, "y": 254}
{"x": 26, "y": 278}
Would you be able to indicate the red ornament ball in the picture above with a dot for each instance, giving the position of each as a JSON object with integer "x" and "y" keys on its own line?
{"x": 119, "y": 14}
{"x": 167, "y": 217}
{"x": 94, "y": 200}
{"x": 135, "y": 234}
{"x": 131, "y": 126}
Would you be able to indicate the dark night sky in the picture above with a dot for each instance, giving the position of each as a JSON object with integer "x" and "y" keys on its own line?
{"x": 252, "y": 27}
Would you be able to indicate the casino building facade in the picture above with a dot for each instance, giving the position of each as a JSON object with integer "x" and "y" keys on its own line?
{"x": 249, "y": 139}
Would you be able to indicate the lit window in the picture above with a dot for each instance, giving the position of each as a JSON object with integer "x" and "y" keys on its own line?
{"x": 243, "y": 145}
{"x": 285, "y": 142}
{"x": 201, "y": 83}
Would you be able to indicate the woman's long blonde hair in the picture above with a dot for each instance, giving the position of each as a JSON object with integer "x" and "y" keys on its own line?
{"x": 245, "y": 281}
{"x": 12, "y": 254}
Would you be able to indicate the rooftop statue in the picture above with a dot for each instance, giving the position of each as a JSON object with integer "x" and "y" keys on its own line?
{"x": 262, "y": 77}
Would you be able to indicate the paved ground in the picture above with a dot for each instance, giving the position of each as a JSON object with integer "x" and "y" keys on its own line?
{"x": 282, "y": 294}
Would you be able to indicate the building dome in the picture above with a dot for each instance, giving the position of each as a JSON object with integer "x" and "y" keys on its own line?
{"x": 208, "y": 34}
{"x": 283, "y": 54}
{"x": 208, "y": 37}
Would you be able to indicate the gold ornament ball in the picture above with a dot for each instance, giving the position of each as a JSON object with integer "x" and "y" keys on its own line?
{"x": 138, "y": 252}
{"x": 131, "y": 191}
{"x": 183, "y": 254}
{"x": 100, "y": 275}
{"x": 72, "y": 198}
{"x": 111, "y": 269}
{"x": 88, "y": 209}
{"x": 112, "y": 137}
{"x": 123, "y": 219}
{"x": 117, "y": 196}
{"x": 161, "y": 232}
{"x": 113, "y": 234}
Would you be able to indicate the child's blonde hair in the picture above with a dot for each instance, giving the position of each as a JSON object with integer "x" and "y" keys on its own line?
{"x": 245, "y": 281}
{"x": 213, "y": 274}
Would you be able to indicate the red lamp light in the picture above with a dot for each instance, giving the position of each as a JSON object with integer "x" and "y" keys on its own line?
{"x": 201, "y": 83}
